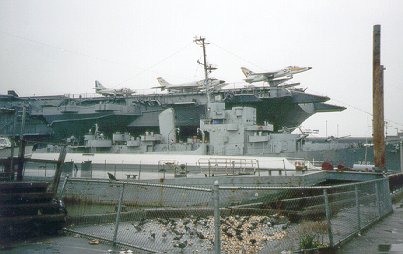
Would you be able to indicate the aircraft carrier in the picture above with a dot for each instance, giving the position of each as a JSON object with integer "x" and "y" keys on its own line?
{"x": 61, "y": 116}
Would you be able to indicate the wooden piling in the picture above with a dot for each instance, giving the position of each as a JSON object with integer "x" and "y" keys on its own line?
{"x": 55, "y": 184}
{"x": 378, "y": 125}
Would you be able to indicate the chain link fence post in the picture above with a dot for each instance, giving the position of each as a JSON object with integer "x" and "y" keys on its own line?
{"x": 329, "y": 224}
{"x": 217, "y": 227}
{"x": 357, "y": 205}
{"x": 118, "y": 214}
{"x": 388, "y": 197}
{"x": 378, "y": 202}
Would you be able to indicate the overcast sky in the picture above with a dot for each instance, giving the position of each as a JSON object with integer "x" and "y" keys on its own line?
{"x": 60, "y": 47}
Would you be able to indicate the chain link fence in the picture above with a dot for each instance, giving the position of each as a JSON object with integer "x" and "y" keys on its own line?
{"x": 160, "y": 218}
{"x": 396, "y": 182}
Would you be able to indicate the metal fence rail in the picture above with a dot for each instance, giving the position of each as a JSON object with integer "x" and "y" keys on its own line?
{"x": 228, "y": 166}
{"x": 223, "y": 219}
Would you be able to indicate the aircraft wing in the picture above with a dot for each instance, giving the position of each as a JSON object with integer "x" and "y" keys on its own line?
{"x": 289, "y": 85}
{"x": 194, "y": 84}
{"x": 106, "y": 92}
{"x": 125, "y": 91}
{"x": 267, "y": 74}
{"x": 278, "y": 81}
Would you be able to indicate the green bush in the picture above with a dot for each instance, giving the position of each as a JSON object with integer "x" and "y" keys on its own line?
{"x": 308, "y": 241}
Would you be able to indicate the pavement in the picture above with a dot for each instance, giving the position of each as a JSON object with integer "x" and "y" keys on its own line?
{"x": 386, "y": 236}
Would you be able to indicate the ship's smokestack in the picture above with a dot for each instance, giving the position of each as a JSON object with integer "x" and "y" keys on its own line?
{"x": 377, "y": 101}
{"x": 167, "y": 125}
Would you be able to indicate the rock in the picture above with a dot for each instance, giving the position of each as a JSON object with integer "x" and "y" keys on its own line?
{"x": 93, "y": 241}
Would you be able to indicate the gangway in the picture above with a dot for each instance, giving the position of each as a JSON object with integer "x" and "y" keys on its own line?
{"x": 228, "y": 166}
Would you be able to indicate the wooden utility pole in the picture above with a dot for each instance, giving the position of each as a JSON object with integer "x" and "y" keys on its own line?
{"x": 378, "y": 125}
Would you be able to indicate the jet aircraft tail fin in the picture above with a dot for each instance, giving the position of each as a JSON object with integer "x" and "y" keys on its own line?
{"x": 246, "y": 71}
{"x": 98, "y": 86}
{"x": 163, "y": 83}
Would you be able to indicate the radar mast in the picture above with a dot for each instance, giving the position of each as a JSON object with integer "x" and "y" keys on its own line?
{"x": 208, "y": 68}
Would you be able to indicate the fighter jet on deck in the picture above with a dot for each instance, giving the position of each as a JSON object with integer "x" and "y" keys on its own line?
{"x": 273, "y": 78}
{"x": 100, "y": 89}
{"x": 214, "y": 84}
